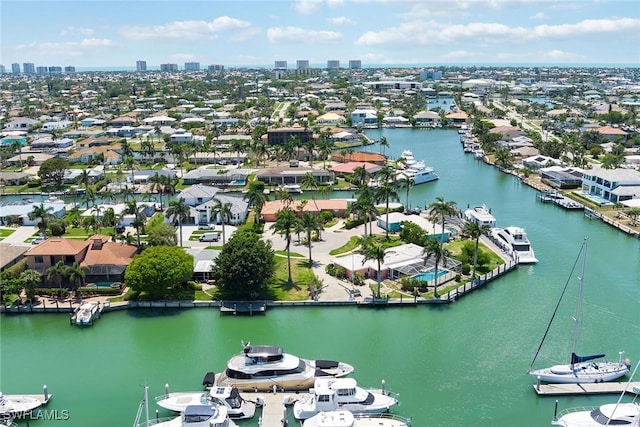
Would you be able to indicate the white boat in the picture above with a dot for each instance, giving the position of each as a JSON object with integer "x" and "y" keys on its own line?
{"x": 86, "y": 313}
{"x": 580, "y": 369}
{"x": 417, "y": 171}
{"x": 6, "y": 420}
{"x": 293, "y": 188}
{"x": 332, "y": 394}
{"x": 237, "y": 407}
{"x": 347, "y": 419}
{"x": 514, "y": 240}
{"x": 264, "y": 367}
{"x": 480, "y": 215}
{"x": 197, "y": 416}
{"x": 17, "y": 405}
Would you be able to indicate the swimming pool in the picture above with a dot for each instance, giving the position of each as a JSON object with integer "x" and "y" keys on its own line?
{"x": 429, "y": 275}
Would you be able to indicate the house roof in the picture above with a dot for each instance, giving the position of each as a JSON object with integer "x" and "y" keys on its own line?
{"x": 609, "y": 130}
{"x": 9, "y": 253}
{"x": 273, "y": 206}
{"x": 349, "y": 167}
{"x": 359, "y": 157}
{"x": 102, "y": 251}
{"x": 198, "y": 190}
{"x": 58, "y": 246}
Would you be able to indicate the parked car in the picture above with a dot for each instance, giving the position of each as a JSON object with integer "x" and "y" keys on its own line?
{"x": 38, "y": 240}
{"x": 205, "y": 227}
{"x": 210, "y": 237}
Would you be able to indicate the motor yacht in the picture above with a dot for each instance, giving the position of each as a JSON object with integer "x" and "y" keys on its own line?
{"x": 347, "y": 419}
{"x": 17, "y": 405}
{"x": 416, "y": 171}
{"x": 627, "y": 414}
{"x": 331, "y": 394}
{"x": 480, "y": 215}
{"x": 237, "y": 407}
{"x": 86, "y": 313}
{"x": 198, "y": 416}
{"x": 265, "y": 368}
{"x": 515, "y": 242}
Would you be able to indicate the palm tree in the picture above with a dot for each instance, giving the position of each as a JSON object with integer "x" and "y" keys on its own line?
{"x": 16, "y": 146}
{"x": 360, "y": 176}
{"x": 157, "y": 184}
{"x": 436, "y": 250}
{"x": 475, "y": 230}
{"x": 373, "y": 250}
{"x": 440, "y": 210}
{"x": 57, "y": 270}
{"x": 387, "y": 191}
{"x": 76, "y": 274}
{"x": 43, "y": 215}
{"x": 308, "y": 182}
{"x": 407, "y": 182}
{"x": 109, "y": 218}
{"x": 310, "y": 223}
{"x": 30, "y": 280}
{"x": 256, "y": 198}
{"x": 383, "y": 144}
{"x": 285, "y": 223}
{"x": 178, "y": 211}
{"x": 223, "y": 211}
{"x": 138, "y": 217}
{"x": 127, "y": 192}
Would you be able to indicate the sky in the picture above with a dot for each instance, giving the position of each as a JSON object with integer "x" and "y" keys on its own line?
{"x": 117, "y": 33}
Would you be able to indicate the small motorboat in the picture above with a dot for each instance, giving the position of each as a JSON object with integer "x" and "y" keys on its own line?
{"x": 347, "y": 419}
{"x": 16, "y": 406}
{"x": 199, "y": 416}
{"x": 237, "y": 407}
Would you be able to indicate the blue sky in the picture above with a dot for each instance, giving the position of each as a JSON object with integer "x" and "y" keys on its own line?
{"x": 113, "y": 33}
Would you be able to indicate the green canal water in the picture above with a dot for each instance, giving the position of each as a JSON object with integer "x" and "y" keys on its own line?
{"x": 462, "y": 364}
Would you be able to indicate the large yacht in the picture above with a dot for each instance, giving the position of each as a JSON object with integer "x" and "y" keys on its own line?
{"x": 264, "y": 367}
{"x": 515, "y": 242}
{"x": 480, "y": 215}
{"x": 331, "y": 394}
{"x": 415, "y": 170}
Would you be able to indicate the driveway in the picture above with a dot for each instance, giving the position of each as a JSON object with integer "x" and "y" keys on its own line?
{"x": 18, "y": 237}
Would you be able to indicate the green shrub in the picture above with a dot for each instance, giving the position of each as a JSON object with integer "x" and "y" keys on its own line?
{"x": 409, "y": 284}
{"x": 330, "y": 269}
{"x": 194, "y": 286}
{"x": 358, "y": 279}
{"x": 98, "y": 291}
{"x": 352, "y": 223}
{"x": 34, "y": 183}
{"x": 458, "y": 277}
{"x": 52, "y": 292}
{"x": 341, "y": 272}
{"x": 131, "y": 295}
{"x": 15, "y": 270}
{"x": 465, "y": 268}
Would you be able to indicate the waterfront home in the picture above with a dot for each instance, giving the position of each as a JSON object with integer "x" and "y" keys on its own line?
{"x": 17, "y": 212}
{"x": 364, "y": 118}
{"x": 21, "y": 123}
{"x": 398, "y": 260}
{"x": 427, "y": 119}
{"x": 198, "y": 194}
{"x": 536, "y": 162}
{"x": 36, "y": 158}
{"x": 10, "y": 254}
{"x": 348, "y": 168}
{"x": 458, "y": 118}
{"x": 142, "y": 176}
{"x": 397, "y": 218}
{"x": 222, "y": 177}
{"x": 14, "y": 136}
{"x": 338, "y": 207}
{"x": 238, "y": 210}
{"x": 14, "y": 178}
{"x": 359, "y": 156}
{"x": 87, "y": 155}
{"x": 330, "y": 119}
{"x": 612, "y": 185}
{"x": 561, "y": 177}
{"x": 203, "y": 262}
{"x": 102, "y": 259}
{"x": 288, "y": 175}
{"x": 611, "y": 133}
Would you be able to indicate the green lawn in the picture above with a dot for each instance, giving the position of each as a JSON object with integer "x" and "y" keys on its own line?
{"x": 347, "y": 247}
{"x": 302, "y": 276}
{"x": 5, "y": 232}
{"x": 293, "y": 254}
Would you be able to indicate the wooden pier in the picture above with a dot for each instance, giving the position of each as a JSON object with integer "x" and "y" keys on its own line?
{"x": 243, "y": 307}
{"x": 586, "y": 388}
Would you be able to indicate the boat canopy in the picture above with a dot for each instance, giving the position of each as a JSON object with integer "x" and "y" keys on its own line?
{"x": 579, "y": 359}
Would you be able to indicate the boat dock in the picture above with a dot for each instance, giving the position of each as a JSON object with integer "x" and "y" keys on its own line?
{"x": 586, "y": 388}
{"x": 274, "y": 411}
{"x": 551, "y": 196}
{"x": 243, "y": 307}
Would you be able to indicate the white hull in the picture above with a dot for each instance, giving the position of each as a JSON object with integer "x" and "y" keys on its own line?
{"x": 86, "y": 313}
{"x": 16, "y": 405}
{"x": 515, "y": 242}
{"x": 417, "y": 171}
{"x": 308, "y": 406}
{"x": 218, "y": 418}
{"x": 178, "y": 402}
{"x": 587, "y": 372}
{"x": 347, "y": 419}
{"x": 627, "y": 414}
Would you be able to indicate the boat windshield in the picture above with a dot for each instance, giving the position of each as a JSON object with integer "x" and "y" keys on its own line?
{"x": 602, "y": 419}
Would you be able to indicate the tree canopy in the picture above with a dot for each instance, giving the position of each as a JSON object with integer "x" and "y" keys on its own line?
{"x": 244, "y": 267}
{"x": 52, "y": 170}
{"x": 159, "y": 269}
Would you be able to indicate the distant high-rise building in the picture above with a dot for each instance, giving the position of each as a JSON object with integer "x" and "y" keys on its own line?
{"x": 355, "y": 64}
{"x": 333, "y": 64}
{"x": 42, "y": 70}
{"x": 55, "y": 70}
{"x": 69, "y": 69}
{"x": 141, "y": 65}
{"x": 430, "y": 74}
{"x": 15, "y": 68}
{"x": 280, "y": 65}
{"x": 28, "y": 68}
{"x": 192, "y": 66}
{"x": 169, "y": 67}
{"x": 302, "y": 63}
{"x": 2, "y": 70}
{"x": 216, "y": 67}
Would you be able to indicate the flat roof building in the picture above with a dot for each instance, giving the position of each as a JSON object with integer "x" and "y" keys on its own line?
{"x": 280, "y": 65}
{"x": 141, "y": 65}
{"x": 302, "y": 63}
{"x": 192, "y": 66}
{"x": 355, "y": 64}
{"x": 333, "y": 64}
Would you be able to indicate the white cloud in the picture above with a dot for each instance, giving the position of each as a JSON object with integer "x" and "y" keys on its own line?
{"x": 559, "y": 55}
{"x": 185, "y": 30}
{"x": 71, "y": 30}
{"x": 433, "y": 32}
{"x": 182, "y": 57}
{"x": 302, "y": 35}
{"x": 66, "y": 49}
{"x": 307, "y": 7}
{"x": 335, "y": 3}
{"x": 340, "y": 20}
{"x": 539, "y": 16}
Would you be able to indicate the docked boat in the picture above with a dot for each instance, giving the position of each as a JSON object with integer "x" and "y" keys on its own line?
{"x": 581, "y": 369}
{"x": 480, "y": 215}
{"x": 196, "y": 416}
{"x": 6, "y": 420}
{"x": 347, "y": 419}
{"x": 237, "y": 407}
{"x": 265, "y": 367}
{"x": 515, "y": 242}
{"x": 332, "y": 394}
{"x": 415, "y": 170}
{"x": 16, "y": 406}
{"x": 293, "y": 188}
{"x": 627, "y": 414}
{"x": 86, "y": 313}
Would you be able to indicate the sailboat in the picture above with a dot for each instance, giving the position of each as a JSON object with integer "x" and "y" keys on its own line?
{"x": 581, "y": 369}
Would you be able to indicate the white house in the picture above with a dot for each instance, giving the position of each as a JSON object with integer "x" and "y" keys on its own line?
{"x": 198, "y": 194}
{"x": 208, "y": 214}
{"x": 361, "y": 118}
{"x": 613, "y": 185}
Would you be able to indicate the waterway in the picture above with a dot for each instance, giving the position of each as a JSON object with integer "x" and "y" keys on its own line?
{"x": 462, "y": 364}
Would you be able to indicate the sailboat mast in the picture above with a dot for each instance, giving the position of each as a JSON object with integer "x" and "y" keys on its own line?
{"x": 579, "y": 302}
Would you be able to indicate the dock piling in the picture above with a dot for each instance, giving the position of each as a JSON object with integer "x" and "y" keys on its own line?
{"x": 45, "y": 392}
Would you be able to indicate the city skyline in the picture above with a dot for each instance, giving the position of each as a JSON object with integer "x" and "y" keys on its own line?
{"x": 377, "y": 32}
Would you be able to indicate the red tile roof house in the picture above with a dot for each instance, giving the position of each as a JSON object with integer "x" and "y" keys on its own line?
{"x": 104, "y": 260}
{"x": 337, "y": 206}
